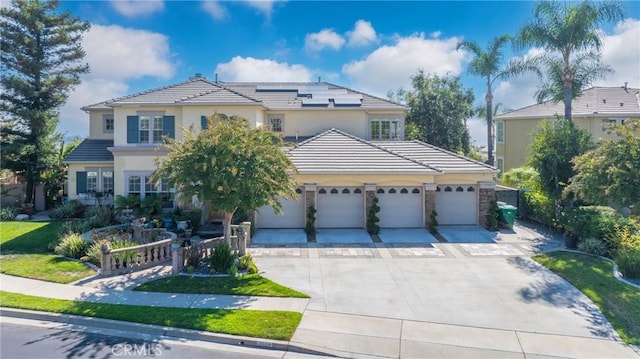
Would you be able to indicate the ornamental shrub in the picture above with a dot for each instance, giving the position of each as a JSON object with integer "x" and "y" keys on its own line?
{"x": 8, "y": 213}
{"x": 222, "y": 258}
{"x": 71, "y": 209}
{"x": 629, "y": 262}
{"x": 72, "y": 245}
{"x": 372, "y": 218}
{"x": 593, "y": 246}
{"x": 246, "y": 263}
{"x": 433, "y": 222}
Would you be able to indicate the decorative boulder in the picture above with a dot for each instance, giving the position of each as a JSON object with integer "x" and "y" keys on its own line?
{"x": 22, "y": 217}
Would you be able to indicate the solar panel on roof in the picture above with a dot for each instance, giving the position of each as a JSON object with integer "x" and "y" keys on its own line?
{"x": 318, "y": 101}
{"x": 348, "y": 100}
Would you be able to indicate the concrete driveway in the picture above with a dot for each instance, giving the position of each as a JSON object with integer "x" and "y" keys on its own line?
{"x": 441, "y": 300}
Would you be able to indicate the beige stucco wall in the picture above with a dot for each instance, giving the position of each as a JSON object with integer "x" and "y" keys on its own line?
{"x": 96, "y": 125}
{"x": 308, "y": 122}
{"x": 126, "y": 164}
{"x": 75, "y": 168}
{"x": 518, "y": 136}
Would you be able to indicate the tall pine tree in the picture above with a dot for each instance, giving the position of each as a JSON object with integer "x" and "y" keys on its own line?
{"x": 41, "y": 62}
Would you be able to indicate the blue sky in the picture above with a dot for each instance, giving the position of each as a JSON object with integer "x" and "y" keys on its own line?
{"x": 371, "y": 46}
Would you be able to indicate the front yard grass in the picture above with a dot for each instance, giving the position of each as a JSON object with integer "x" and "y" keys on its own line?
{"x": 24, "y": 252}
{"x": 250, "y": 284}
{"x": 278, "y": 325}
{"x": 618, "y": 301}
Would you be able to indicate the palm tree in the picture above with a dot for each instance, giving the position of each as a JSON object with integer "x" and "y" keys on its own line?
{"x": 568, "y": 29}
{"x": 586, "y": 68}
{"x": 486, "y": 63}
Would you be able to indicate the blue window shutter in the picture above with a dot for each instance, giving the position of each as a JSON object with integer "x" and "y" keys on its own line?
{"x": 169, "y": 126}
{"x": 203, "y": 122}
{"x": 132, "y": 129}
{"x": 81, "y": 182}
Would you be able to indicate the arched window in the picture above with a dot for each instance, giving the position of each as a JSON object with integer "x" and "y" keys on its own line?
{"x": 404, "y": 191}
{"x": 322, "y": 191}
{"x": 438, "y": 189}
{"x": 415, "y": 191}
{"x": 448, "y": 189}
{"x": 298, "y": 191}
{"x": 392, "y": 191}
{"x": 380, "y": 190}
{"x": 346, "y": 191}
{"x": 471, "y": 189}
{"x": 357, "y": 191}
{"x": 334, "y": 191}
{"x": 459, "y": 189}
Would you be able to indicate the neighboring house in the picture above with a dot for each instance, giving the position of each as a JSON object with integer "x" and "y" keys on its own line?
{"x": 594, "y": 110}
{"x": 349, "y": 149}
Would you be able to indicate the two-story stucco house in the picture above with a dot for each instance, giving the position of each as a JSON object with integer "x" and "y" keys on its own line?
{"x": 349, "y": 149}
{"x": 593, "y": 110}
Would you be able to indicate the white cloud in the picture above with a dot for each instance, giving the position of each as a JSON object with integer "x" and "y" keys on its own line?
{"x": 131, "y": 54}
{"x": 390, "y": 67}
{"x": 621, "y": 51}
{"x": 326, "y": 38}
{"x": 116, "y": 52}
{"x": 363, "y": 34}
{"x": 264, "y": 6}
{"x": 133, "y": 8}
{"x": 478, "y": 131}
{"x": 215, "y": 9}
{"x": 252, "y": 69}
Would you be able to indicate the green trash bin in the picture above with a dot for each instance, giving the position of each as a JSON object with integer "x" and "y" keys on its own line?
{"x": 507, "y": 214}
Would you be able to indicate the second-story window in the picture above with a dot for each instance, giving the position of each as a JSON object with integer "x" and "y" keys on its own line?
{"x": 384, "y": 129}
{"x": 149, "y": 128}
{"x": 500, "y": 131}
{"x": 108, "y": 123}
{"x": 276, "y": 123}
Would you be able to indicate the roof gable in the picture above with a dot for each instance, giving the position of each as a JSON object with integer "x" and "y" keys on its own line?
{"x": 335, "y": 151}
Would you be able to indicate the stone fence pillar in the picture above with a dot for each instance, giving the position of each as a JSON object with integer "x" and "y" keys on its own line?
{"x": 244, "y": 237}
{"x": 105, "y": 259}
{"x": 486, "y": 194}
{"x": 177, "y": 258}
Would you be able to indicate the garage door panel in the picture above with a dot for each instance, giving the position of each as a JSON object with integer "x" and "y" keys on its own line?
{"x": 400, "y": 207}
{"x": 457, "y": 204}
{"x": 340, "y": 207}
{"x": 291, "y": 216}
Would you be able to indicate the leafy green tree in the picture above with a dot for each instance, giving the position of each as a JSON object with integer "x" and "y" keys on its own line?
{"x": 55, "y": 176}
{"x": 439, "y": 107}
{"x": 610, "y": 173}
{"x": 230, "y": 166}
{"x": 555, "y": 144}
{"x": 41, "y": 62}
{"x": 567, "y": 29}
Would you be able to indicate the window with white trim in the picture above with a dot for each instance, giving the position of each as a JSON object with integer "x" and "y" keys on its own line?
{"x": 150, "y": 129}
{"x": 500, "y": 165}
{"x": 500, "y": 131}
{"x": 108, "y": 123}
{"x": 608, "y": 122}
{"x": 385, "y": 129}
{"x": 276, "y": 123}
{"x": 98, "y": 180}
{"x": 143, "y": 186}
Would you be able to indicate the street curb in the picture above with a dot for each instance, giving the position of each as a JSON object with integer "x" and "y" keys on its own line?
{"x": 157, "y": 330}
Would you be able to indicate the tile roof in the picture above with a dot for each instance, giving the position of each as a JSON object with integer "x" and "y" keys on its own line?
{"x": 436, "y": 157}
{"x": 335, "y": 151}
{"x": 91, "y": 150}
{"x": 271, "y": 95}
{"x": 598, "y": 101}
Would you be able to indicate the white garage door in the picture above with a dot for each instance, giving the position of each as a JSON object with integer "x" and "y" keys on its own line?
{"x": 291, "y": 216}
{"x": 400, "y": 207}
{"x": 340, "y": 207}
{"x": 457, "y": 204}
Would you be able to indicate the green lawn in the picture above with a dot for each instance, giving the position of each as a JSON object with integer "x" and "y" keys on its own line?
{"x": 251, "y": 284}
{"x": 24, "y": 252}
{"x": 618, "y": 301}
{"x": 27, "y": 237}
{"x": 278, "y": 325}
